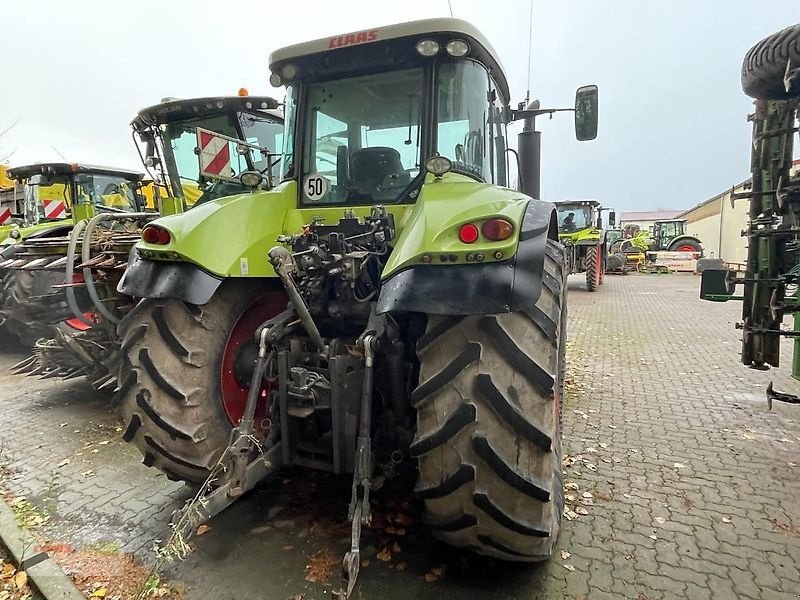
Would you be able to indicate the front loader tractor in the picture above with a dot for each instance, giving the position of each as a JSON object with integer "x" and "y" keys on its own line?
{"x": 580, "y": 229}
{"x": 388, "y": 299}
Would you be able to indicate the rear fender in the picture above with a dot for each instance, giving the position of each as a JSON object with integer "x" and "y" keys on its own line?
{"x": 479, "y": 289}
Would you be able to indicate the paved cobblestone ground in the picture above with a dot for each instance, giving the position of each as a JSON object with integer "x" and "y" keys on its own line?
{"x": 681, "y": 484}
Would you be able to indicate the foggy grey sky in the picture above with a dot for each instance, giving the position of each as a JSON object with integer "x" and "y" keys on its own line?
{"x": 673, "y": 128}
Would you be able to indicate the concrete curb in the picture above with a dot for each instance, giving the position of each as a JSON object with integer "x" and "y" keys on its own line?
{"x": 43, "y": 572}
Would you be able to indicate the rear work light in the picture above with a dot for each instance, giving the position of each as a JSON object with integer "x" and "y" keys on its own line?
{"x": 468, "y": 233}
{"x": 152, "y": 234}
{"x": 497, "y": 230}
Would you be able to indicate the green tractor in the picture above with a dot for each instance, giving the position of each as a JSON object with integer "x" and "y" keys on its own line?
{"x": 580, "y": 229}
{"x": 388, "y": 300}
{"x": 57, "y": 195}
{"x": 770, "y": 75}
{"x": 670, "y": 235}
{"x": 94, "y": 255}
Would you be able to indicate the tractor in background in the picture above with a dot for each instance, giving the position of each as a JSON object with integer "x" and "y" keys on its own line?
{"x": 770, "y": 75}
{"x": 387, "y": 301}
{"x": 580, "y": 230}
{"x": 96, "y": 252}
{"x": 670, "y": 235}
{"x": 33, "y": 257}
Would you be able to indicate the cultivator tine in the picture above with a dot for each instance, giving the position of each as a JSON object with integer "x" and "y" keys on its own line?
{"x": 111, "y": 381}
{"x": 37, "y": 371}
{"x": 76, "y": 373}
{"x": 24, "y": 365}
{"x": 7, "y": 263}
{"x": 61, "y": 262}
{"x": 49, "y": 374}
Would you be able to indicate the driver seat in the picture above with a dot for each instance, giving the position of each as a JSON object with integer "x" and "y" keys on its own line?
{"x": 370, "y": 167}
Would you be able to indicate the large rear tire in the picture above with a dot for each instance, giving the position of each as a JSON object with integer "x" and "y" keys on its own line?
{"x": 488, "y": 425}
{"x": 175, "y": 386}
{"x": 764, "y": 66}
{"x": 593, "y": 268}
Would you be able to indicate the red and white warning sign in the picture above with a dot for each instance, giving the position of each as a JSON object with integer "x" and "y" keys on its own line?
{"x": 55, "y": 209}
{"x": 5, "y": 216}
{"x": 215, "y": 154}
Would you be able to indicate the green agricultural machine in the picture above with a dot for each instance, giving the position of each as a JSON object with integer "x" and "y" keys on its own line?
{"x": 670, "y": 235}
{"x": 770, "y": 75}
{"x": 580, "y": 229}
{"x": 57, "y": 195}
{"x": 388, "y": 299}
{"x": 92, "y": 258}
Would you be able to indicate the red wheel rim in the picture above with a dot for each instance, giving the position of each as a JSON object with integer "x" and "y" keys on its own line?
{"x": 239, "y": 347}
{"x": 686, "y": 248}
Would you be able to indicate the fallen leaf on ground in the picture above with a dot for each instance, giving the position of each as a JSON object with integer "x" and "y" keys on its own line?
{"x": 569, "y": 567}
{"x": 587, "y": 495}
{"x": 581, "y": 511}
{"x": 395, "y": 548}
{"x": 565, "y": 555}
{"x": 403, "y": 520}
{"x": 95, "y": 451}
{"x": 570, "y": 486}
{"x": 430, "y": 577}
{"x": 653, "y": 537}
{"x": 384, "y": 555}
{"x": 104, "y": 442}
{"x": 679, "y": 466}
{"x": 402, "y": 566}
{"x": 660, "y": 520}
{"x": 20, "y": 579}
{"x": 727, "y": 520}
{"x": 365, "y": 563}
{"x": 99, "y": 593}
{"x": 603, "y": 445}
{"x": 63, "y": 463}
{"x": 202, "y": 529}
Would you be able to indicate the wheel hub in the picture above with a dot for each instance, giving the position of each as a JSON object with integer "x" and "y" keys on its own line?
{"x": 238, "y": 360}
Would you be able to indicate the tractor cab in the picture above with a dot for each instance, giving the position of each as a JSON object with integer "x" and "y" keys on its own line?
{"x": 373, "y": 115}
{"x": 671, "y": 235}
{"x": 55, "y": 192}
{"x": 664, "y": 231}
{"x": 198, "y": 148}
{"x": 574, "y": 217}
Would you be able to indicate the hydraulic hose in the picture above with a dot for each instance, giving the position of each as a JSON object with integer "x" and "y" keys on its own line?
{"x": 86, "y": 254}
{"x": 71, "y": 301}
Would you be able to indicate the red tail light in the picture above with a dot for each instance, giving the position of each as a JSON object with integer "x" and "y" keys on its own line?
{"x": 153, "y": 234}
{"x": 468, "y": 233}
{"x": 497, "y": 230}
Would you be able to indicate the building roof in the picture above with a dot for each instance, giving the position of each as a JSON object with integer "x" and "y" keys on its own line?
{"x": 653, "y": 215}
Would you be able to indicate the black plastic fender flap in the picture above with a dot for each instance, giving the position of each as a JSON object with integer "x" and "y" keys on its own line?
{"x": 160, "y": 279}
{"x": 476, "y": 289}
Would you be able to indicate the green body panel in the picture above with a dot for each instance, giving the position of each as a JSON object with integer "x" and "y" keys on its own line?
{"x": 170, "y": 206}
{"x": 24, "y": 232}
{"x": 83, "y": 212}
{"x": 445, "y": 205}
{"x": 230, "y": 237}
{"x": 589, "y": 236}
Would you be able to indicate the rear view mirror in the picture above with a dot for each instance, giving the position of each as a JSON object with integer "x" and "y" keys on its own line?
{"x": 612, "y": 218}
{"x": 586, "y": 106}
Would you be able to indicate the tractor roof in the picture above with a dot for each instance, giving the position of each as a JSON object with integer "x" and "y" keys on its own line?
{"x": 177, "y": 109}
{"x": 382, "y": 46}
{"x": 561, "y": 203}
{"x": 670, "y": 221}
{"x": 61, "y": 168}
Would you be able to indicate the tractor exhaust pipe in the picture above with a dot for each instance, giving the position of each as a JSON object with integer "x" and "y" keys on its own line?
{"x": 529, "y": 146}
